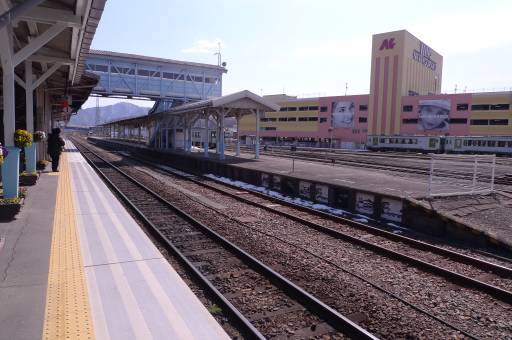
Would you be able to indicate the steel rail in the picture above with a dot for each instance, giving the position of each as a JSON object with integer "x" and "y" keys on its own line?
{"x": 479, "y": 263}
{"x": 363, "y": 279}
{"x": 331, "y": 316}
{"x": 464, "y": 280}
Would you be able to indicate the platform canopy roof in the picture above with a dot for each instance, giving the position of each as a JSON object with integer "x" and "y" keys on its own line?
{"x": 238, "y": 103}
{"x": 232, "y": 105}
{"x": 54, "y": 36}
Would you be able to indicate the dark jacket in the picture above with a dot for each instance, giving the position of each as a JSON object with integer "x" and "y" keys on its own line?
{"x": 55, "y": 144}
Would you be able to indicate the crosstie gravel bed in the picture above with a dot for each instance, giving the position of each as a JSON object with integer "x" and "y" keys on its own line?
{"x": 275, "y": 307}
{"x": 497, "y": 275}
{"x": 257, "y": 231}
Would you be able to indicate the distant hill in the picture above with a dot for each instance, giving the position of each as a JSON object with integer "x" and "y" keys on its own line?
{"x": 87, "y": 117}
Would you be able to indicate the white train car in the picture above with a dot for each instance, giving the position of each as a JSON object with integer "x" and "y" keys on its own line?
{"x": 499, "y": 145}
{"x": 426, "y": 144}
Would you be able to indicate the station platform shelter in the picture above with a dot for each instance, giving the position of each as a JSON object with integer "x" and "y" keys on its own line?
{"x": 178, "y": 127}
{"x": 43, "y": 49}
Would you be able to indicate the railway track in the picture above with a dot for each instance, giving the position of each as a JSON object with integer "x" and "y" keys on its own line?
{"x": 472, "y": 267}
{"x": 417, "y": 253}
{"x": 249, "y": 292}
{"x": 503, "y": 160}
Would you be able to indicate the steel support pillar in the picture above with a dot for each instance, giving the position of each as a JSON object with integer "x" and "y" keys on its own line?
{"x": 30, "y": 151}
{"x": 238, "y": 135}
{"x": 217, "y": 135}
{"x": 10, "y": 167}
{"x": 29, "y": 96}
{"x": 166, "y": 137}
{"x": 189, "y": 138}
{"x": 30, "y": 157}
{"x": 221, "y": 136}
{"x": 174, "y": 136}
{"x": 257, "y": 146}
{"x": 185, "y": 142}
{"x": 205, "y": 136}
{"x": 10, "y": 172}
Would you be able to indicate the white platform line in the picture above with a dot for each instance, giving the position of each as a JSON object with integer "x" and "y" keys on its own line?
{"x": 178, "y": 324}
{"x": 98, "y": 314}
{"x": 137, "y": 321}
{"x": 116, "y": 235}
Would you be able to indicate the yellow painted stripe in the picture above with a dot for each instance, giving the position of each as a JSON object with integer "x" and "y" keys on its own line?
{"x": 67, "y": 314}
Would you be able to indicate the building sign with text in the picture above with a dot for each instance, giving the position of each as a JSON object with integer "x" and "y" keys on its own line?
{"x": 423, "y": 56}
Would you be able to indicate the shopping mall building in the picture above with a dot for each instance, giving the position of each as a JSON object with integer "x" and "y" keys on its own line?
{"x": 405, "y": 99}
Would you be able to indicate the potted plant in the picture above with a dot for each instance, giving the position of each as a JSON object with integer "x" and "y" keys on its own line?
{"x": 41, "y": 165}
{"x": 22, "y": 138}
{"x": 2, "y": 154}
{"x": 27, "y": 179}
{"x": 9, "y": 207}
{"x": 39, "y": 136}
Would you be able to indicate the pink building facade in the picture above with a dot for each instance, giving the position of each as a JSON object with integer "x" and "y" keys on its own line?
{"x": 404, "y": 99}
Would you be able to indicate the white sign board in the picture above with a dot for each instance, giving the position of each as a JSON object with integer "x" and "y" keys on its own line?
{"x": 391, "y": 209}
{"x": 322, "y": 193}
{"x": 305, "y": 189}
{"x": 276, "y": 183}
{"x": 364, "y": 203}
{"x": 265, "y": 180}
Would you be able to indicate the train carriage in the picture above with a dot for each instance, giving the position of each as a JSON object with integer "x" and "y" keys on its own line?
{"x": 425, "y": 144}
{"x": 499, "y": 145}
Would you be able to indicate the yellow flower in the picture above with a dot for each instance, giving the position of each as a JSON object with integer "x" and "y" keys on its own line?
{"x": 22, "y": 138}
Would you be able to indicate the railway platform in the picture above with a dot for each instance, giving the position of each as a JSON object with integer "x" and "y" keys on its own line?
{"x": 74, "y": 264}
{"x": 388, "y": 184}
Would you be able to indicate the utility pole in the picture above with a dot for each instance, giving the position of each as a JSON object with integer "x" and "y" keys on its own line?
{"x": 219, "y": 57}
{"x": 346, "y": 88}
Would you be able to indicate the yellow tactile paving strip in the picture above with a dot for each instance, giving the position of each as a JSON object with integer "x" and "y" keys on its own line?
{"x": 68, "y": 313}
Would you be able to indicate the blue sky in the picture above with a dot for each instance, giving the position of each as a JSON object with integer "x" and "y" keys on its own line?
{"x": 312, "y": 47}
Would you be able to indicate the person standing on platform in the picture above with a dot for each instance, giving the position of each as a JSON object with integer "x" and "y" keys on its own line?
{"x": 55, "y": 147}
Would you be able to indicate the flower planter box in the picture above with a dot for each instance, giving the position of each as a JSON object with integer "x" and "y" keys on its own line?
{"x": 41, "y": 167}
{"x": 28, "y": 180}
{"x": 9, "y": 210}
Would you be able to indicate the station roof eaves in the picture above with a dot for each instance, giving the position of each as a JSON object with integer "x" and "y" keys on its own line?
{"x": 153, "y": 59}
{"x": 91, "y": 24}
{"x": 228, "y": 101}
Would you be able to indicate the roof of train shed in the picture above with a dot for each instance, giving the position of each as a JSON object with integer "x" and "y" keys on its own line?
{"x": 238, "y": 103}
{"x": 72, "y": 24}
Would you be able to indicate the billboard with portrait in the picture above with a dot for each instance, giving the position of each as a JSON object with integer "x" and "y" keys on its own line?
{"x": 343, "y": 114}
{"x": 434, "y": 114}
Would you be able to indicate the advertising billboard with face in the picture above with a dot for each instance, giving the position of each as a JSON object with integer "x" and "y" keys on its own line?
{"x": 434, "y": 114}
{"x": 343, "y": 114}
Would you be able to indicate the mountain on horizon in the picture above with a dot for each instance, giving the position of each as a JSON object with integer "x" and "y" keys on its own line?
{"x": 87, "y": 117}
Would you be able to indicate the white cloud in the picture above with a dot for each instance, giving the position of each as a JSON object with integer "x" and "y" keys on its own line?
{"x": 205, "y": 46}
